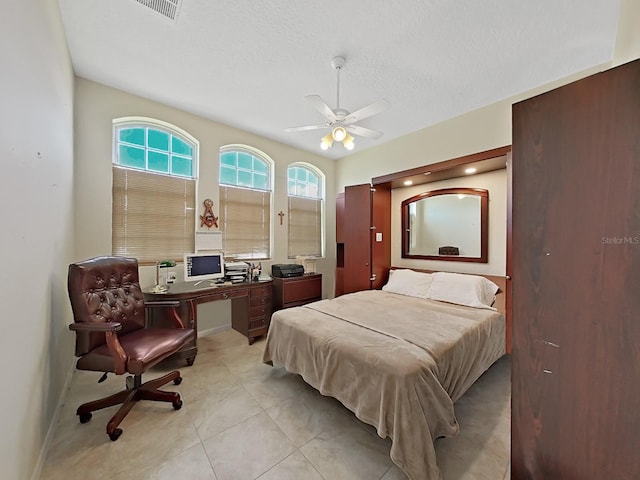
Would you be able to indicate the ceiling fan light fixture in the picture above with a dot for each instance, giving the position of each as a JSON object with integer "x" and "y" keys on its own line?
{"x": 338, "y": 120}
{"x": 339, "y": 133}
{"x": 348, "y": 142}
{"x": 327, "y": 141}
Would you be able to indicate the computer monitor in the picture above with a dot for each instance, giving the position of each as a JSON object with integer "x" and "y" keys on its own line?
{"x": 203, "y": 266}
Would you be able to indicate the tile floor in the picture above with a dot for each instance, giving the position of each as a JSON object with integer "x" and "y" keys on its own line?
{"x": 243, "y": 420}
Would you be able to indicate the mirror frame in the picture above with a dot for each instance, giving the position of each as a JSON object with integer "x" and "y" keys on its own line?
{"x": 484, "y": 224}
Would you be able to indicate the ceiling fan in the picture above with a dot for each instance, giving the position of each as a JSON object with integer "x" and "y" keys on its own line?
{"x": 341, "y": 122}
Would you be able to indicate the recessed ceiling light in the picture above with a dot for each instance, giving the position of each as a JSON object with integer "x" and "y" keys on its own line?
{"x": 470, "y": 170}
{"x": 408, "y": 182}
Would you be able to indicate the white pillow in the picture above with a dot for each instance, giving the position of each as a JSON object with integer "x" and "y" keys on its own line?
{"x": 469, "y": 290}
{"x": 409, "y": 282}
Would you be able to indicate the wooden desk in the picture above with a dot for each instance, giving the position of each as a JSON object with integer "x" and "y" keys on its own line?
{"x": 250, "y": 308}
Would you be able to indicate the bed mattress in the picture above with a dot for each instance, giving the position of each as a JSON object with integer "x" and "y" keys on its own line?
{"x": 397, "y": 362}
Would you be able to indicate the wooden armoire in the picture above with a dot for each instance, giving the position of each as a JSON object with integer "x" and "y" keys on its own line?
{"x": 576, "y": 280}
{"x": 363, "y": 238}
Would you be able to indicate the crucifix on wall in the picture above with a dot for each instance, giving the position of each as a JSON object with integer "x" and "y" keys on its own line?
{"x": 281, "y": 215}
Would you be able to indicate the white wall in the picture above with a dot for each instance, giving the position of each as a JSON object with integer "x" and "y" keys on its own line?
{"x": 97, "y": 105}
{"x": 36, "y": 208}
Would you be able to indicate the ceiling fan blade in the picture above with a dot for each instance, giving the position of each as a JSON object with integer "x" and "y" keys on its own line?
{"x": 322, "y": 107}
{"x": 366, "y": 112}
{"x": 305, "y": 127}
{"x": 363, "y": 132}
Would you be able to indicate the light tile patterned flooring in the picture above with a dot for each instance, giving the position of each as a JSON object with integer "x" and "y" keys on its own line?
{"x": 243, "y": 420}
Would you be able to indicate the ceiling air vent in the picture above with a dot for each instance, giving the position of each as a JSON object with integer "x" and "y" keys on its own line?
{"x": 168, "y": 8}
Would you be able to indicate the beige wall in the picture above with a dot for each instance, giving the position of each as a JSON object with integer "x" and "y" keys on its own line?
{"x": 95, "y": 108}
{"x": 628, "y": 38}
{"x": 36, "y": 208}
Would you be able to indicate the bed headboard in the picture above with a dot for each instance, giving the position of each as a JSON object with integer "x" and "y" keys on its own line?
{"x": 501, "y": 299}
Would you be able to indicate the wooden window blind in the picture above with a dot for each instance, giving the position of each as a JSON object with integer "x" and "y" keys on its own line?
{"x": 153, "y": 215}
{"x": 305, "y": 227}
{"x": 245, "y": 221}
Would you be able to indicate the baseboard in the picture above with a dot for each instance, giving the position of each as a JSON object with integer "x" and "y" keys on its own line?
{"x": 44, "y": 451}
{"x": 214, "y": 330}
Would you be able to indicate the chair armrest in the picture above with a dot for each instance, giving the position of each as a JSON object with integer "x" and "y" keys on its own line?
{"x": 111, "y": 337}
{"x": 96, "y": 327}
{"x": 117, "y": 352}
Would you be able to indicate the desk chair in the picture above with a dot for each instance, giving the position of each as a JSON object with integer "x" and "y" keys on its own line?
{"x": 109, "y": 321}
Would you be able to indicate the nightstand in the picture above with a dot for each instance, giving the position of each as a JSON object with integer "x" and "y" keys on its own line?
{"x": 296, "y": 291}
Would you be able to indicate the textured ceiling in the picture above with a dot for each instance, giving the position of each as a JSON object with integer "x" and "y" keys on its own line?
{"x": 250, "y": 63}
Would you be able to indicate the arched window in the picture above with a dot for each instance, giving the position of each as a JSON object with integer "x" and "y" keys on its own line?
{"x": 245, "y": 202}
{"x": 305, "y": 192}
{"x": 154, "y": 185}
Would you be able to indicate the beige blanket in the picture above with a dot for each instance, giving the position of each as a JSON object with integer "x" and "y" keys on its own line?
{"x": 397, "y": 362}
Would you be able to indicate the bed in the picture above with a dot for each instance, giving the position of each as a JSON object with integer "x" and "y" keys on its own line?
{"x": 397, "y": 358}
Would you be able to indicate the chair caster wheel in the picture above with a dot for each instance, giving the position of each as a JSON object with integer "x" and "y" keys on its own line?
{"x": 85, "y": 417}
{"x": 177, "y": 405}
{"x": 190, "y": 361}
{"x": 177, "y": 381}
{"x": 115, "y": 434}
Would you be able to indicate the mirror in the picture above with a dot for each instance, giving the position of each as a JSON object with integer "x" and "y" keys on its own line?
{"x": 447, "y": 224}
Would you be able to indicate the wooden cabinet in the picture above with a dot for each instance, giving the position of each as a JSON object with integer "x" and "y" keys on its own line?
{"x": 296, "y": 291}
{"x": 339, "y": 273}
{"x": 252, "y": 318}
{"x": 380, "y": 235}
{"x": 576, "y": 278}
{"x": 357, "y": 238}
{"x": 363, "y": 225}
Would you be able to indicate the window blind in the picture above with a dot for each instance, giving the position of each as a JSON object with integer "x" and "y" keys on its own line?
{"x": 245, "y": 221}
{"x": 153, "y": 215}
{"x": 305, "y": 226}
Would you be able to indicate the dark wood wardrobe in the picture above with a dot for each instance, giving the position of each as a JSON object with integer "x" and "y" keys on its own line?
{"x": 576, "y": 280}
{"x": 362, "y": 257}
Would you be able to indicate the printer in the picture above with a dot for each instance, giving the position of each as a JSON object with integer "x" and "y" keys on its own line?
{"x": 283, "y": 270}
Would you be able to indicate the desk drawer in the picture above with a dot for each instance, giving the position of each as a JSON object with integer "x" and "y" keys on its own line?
{"x": 212, "y": 297}
{"x": 259, "y": 311}
{"x": 258, "y": 322}
{"x": 256, "y": 301}
{"x": 260, "y": 291}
